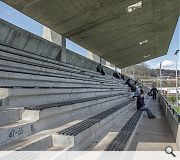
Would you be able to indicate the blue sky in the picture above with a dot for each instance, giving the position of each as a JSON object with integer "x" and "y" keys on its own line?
{"x": 169, "y": 59}
{"x": 11, "y": 15}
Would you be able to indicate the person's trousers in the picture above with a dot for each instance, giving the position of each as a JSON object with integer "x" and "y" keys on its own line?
{"x": 148, "y": 111}
{"x": 154, "y": 96}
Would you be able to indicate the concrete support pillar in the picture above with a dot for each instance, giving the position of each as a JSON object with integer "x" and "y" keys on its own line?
{"x": 115, "y": 69}
{"x": 100, "y": 60}
{"x": 63, "y": 52}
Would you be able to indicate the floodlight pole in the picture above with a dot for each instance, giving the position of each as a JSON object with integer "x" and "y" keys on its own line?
{"x": 176, "y": 54}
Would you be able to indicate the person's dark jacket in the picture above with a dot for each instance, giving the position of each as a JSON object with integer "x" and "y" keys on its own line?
{"x": 133, "y": 88}
{"x": 98, "y": 69}
{"x": 154, "y": 90}
{"x": 140, "y": 102}
{"x": 128, "y": 83}
{"x": 115, "y": 74}
{"x": 141, "y": 91}
{"x": 122, "y": 76}
{"x": 102, "y": 72}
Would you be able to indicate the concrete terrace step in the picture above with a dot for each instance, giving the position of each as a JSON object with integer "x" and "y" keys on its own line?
{"x": 101, "y": 143}
{"x": 75, "y": 130}
{"x": 25, "y": 56}
{"x": 57, "y": 148}
{"x": 10, "y": 115}
{"x": 5, "y": 92}
{"x": 15, "y": 130}
{"x": 46, "y": 76}
{"x": 35, "y": 121}
{"x": 54, "y": 117}
{"x": 53, "y": 105}
{"x": 37, "y": 142}
{"x": 101, "y": 103}
{"x": 19, "y": 66}
{"x": 82, "y": 134}
{"x": 32, "y": 80}
{"x": 30, "y": 97}
{"x": 47, "y": 140}
{"x": 120, "y": 142}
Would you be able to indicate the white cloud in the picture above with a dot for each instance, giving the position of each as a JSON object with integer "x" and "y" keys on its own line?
{"x": 167, "y": 64}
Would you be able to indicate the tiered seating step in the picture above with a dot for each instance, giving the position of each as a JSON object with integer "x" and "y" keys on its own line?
{"x": 119, "y": 143}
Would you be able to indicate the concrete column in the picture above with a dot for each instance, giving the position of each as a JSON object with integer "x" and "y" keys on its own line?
{"x": 100, "y": 60}
{"x": 115, "y": 69}
{"x": 63, "y": 52}
{"x": 160, "y": 77}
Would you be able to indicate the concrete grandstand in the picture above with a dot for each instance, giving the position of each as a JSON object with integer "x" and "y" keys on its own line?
{"x": 52, "y": 99}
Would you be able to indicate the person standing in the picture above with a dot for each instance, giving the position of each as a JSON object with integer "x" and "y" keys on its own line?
{"x": 154, "y": 92}
{"x": 141, "y": 89}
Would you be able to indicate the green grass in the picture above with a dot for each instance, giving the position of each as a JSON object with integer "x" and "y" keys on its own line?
{"x": 169, "y": 98}
{"x": 177, "y": 109}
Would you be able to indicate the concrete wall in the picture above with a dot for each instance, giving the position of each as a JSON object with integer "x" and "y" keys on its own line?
{"x": 15, "y": 37}
{"x": 83, "y": 62}
{"x": 172, "y": 121}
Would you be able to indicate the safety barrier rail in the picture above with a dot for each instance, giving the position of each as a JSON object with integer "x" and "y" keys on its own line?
{"x": 165, "y": 103}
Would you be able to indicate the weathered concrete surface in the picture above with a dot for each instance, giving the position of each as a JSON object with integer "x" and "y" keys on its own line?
{"x": 15, "y": 131}
{"x": 38, "y": 62}
{"x": 105, "y": 139}
{"x": 47, "y": 120}
{"x": 52, "y": 96}
{"x": 51, "y": 36}
{"x": 89, "y": 106}
{"x": 88, "y": 136}
{"x": 44, "y": 139}
{"x": 28, "y": 44}
{"x": 28, "y": 80}
{"x": 83, "y": 62}
{"x": 15, "y": 37}
{"x": 153, "y": 134}
{"x": 35, "y": 121}
{"x": 37, "y": 142}
{"x": 9, "y": 115}
{"x": 106, "y": 28}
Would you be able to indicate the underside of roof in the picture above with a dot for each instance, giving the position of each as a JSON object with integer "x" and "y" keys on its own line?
{"x": 123, "y": 32}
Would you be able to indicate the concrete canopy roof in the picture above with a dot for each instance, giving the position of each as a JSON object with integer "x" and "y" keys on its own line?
{"x": 106, "y": 28}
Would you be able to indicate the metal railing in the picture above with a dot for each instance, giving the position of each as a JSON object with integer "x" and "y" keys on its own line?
{"x": 169, "y": 106}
